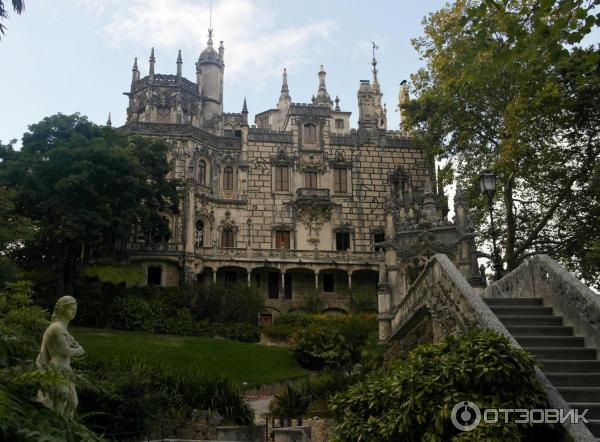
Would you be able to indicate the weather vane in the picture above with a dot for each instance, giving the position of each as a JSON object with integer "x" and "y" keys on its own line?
{"x": 375, "y": 47}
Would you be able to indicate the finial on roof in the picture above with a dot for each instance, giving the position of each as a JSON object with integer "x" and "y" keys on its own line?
{"x": 323, "y": 98}
{"x": 245, "y": 113}
{"x": 337, "y": 103}
{"x": 179, "y": 63}
{"x": 245, "y": 107}
{"x": 285, "y": 90}
{"x": 109, "y": 122}
{"x": 374, "y": 63}
{"x": 135, "y": 73}
{"x": 152, "y": 61}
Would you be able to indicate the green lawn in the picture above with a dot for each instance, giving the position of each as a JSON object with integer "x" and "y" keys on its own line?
{"x": 254, "y": 364}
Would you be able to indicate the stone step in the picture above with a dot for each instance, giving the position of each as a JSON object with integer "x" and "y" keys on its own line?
{"x": 540, "y": 330}
{"x": 587, "y": 354}
{"x": 525, "y": 310}
{"x": 529, "y": 320}
{"x": 550, "y": 341}
{"x": 593, "y": 407}
{"x": 574, "y": 379}
{"x": 580, "y": 394}
{"x": 569, "y": 366}
{"x": 513, "y": 301}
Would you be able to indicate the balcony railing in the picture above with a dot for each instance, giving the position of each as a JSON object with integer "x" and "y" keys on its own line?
{"x": 155, "y": 248}
{"x": 216, "y": 253}
{"x": 306, "y": 194}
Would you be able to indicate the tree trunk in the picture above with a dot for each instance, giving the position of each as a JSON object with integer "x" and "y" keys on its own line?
{"x": 511, "y": 224}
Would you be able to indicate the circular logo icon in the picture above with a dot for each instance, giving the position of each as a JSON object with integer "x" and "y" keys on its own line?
{"x": 465, "y": 416}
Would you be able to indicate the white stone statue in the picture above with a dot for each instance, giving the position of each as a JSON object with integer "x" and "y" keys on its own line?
{"x": 58, "y": 347}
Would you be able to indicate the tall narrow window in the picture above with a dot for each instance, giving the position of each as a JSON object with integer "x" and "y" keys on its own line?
{"x": 340, "y": 181}
{"x": 282, "y": 239}
{"x": 342, "y": 241}
{"x": 154, "y": 275}
{"x": 199, "y": 233}
{"x": 328, "y": 283}
{"x": 310, "y": 180}
{"x": 202, "y": 172}
{"x": 310, "y": 133}
{"x": 282, "y": 182}
{"x": 227, "y": 239}
{"x": 378, "y": 237}
{"x": 228, "y": 178}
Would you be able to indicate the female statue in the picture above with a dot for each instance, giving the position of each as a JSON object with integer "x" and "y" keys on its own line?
{"x": 58, "y": 347}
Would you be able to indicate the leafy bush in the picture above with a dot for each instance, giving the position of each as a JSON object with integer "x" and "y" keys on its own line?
{"x": 286, "y": 324}
{"x": 235, "y": 303}
{"x": 412, "y": 399}
{"x": 147, "y": 398}
{"x": 363, "y": 301}
{"x": 292, "y": 402}
{"x": 317, "y": 347}
{"x": 18, "y": 313}
{"x": 313, "y": 301}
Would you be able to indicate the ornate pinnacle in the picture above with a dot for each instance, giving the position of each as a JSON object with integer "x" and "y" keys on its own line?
{"x": 109, "y": 122}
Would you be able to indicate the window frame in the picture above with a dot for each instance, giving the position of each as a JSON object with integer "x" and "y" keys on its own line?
{"x": 227, "y": 237}
{"x": 283, "y": 237}
{"x": 282, "y": 178}
{"x": 308, "y": 182}
{"x": 228, "y": 178}
{"x": 309, "y": 133}
{"x": 340, "y": 180}
{"x": 338, "y": 240}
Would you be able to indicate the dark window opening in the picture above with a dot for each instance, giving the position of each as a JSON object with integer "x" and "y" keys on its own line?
{"x": 378, "y": 237}
{"x": 342, "y": 241}
{"x": 199, "y": 233}
{"x": 328, "y": 285}
{"x": 282, "y": 182}
{"x": 202, "y": 172}
{"x": 230, "y": 277}
{"x": 238, "y": 133}
{"x": 257, "y": 280}
{"x": 273, "y": 280}
{"x": 339, "y": 123}
{"x": 227, "y": 239}
{"x": 154, "y": 275}
{"x": 282, "y": 239}
{"x": 310, "y": 180}
{"x": 287, "y": 285}
{"x": 228, "y": 178}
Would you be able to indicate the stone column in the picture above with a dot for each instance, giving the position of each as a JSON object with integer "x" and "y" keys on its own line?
{"x": 349, "y": 281}
{"x": 282, "y": 292}
{"x": 214, "y": 276}
{"x": 383, "y": 305}
{"x": 316, "y": 280}
{"x": 249, "y": 273}
{"x": 188, "y": 237}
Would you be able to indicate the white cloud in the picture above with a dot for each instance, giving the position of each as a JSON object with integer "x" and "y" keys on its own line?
{"x": 254, "y": 44}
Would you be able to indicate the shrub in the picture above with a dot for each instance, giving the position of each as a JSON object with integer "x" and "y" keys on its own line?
{"x": 132, "y": 313}
{"x": 18, "y": 313}
{"x": 313, "y": 301}
{"x": 292, "y": 402}
{"x": 363, "y": 301}
{"x": 412, "y": 399}
{"x": 235, "y": 303}
{"x": 317, "y": 347}
{"x": 145, "y": 398}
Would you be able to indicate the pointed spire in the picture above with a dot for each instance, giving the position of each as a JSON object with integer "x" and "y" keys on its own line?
{"x": 152, "y": 61}
{"x": 135, "y": 73}
{"x": 221, "y": 50}
{"x": 245, "y": 113}
{"x": 109, "y": 122}
{"x": 323, "y": 98}
{"x": 337, "y": 103}
{"x": 179, "y": 63}
{"x": 374, "y": 63}
{"x": 285, "y": 91}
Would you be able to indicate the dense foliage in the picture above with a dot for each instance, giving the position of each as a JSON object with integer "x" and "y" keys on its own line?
{"x": 509, "y": 87}
{"x": 412, "y": 399}
{"x": 228, "y": 303}
{"x": 135, "y": 399}
{"x": 85, "y": 188}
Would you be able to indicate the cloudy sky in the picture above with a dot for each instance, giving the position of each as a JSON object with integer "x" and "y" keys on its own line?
{"x": 76, "y": 55}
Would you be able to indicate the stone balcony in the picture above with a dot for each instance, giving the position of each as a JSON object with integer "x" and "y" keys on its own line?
{"x": 305, "y": 194}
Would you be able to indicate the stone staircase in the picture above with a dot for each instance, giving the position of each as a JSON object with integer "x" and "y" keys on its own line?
{"x": 569, "y": 365}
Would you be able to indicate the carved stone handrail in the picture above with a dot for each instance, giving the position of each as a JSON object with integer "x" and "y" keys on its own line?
{"x": 443, "y": 292}
{"x": 345, "y": 256}
{"x": 155, "y": 248}
{"x": 542, "y": 277}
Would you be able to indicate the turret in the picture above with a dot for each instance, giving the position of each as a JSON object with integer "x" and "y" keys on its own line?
{"x": 323, "y": 98}
{"x": 403, "y": 98}
{"x": 135, "y": 73}
{"x": 179, "y": 63}
{"x": 210, "y": 65}
{"x": 151, "y": 69}
{"x": 366, "y": 106}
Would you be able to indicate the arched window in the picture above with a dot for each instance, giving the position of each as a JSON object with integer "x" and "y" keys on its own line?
{"x": 199, "y": 233}
{"x": 227, "y": 238}
{"x": 202, "y": 172}
{"x": 310, "y": 133}
{"x": 228, "y": 178}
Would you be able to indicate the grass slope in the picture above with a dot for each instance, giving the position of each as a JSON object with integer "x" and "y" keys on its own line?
{"x": 254, "y": 364}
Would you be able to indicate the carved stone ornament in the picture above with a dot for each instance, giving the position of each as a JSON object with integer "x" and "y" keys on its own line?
{"x": 313, "y": 214}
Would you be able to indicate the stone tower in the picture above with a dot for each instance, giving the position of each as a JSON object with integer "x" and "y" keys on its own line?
{"x": 211, "y": 67}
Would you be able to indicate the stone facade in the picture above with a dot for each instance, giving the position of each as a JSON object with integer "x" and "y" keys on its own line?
{"x": 294, "y": 204}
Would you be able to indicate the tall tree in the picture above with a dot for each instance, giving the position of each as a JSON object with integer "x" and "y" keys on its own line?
{"x": 87, "y": 186}
{"x": 18, "y": 6}
{"x": 507, "y": 87}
